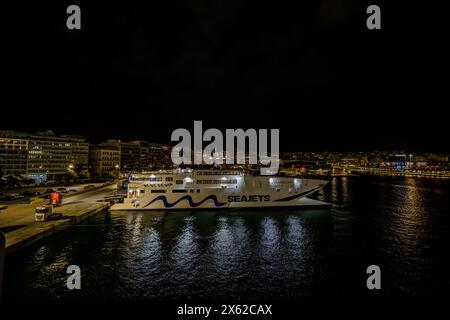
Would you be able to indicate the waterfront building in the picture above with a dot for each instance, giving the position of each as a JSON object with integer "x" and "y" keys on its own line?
{"x": 166, "y": 157}
{"x": 154, "y": 156}
{"x": 104, "y": 160}
{"x": 79, "y": 153}
{"x": 42, "y": 155}
{"x": 130, "y": 154}
{"x": 137, "y": 155}
{"x": 13, "y": 155}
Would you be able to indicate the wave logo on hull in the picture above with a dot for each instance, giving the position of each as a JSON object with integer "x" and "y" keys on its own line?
{"x": 193, "y": 204}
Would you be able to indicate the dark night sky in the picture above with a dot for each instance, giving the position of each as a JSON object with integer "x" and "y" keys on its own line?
{"x": 138, "y": 71}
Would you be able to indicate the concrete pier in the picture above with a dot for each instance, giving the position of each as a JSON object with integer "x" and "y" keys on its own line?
{"x": 29, "y": 234}
{"x": 21, "y": 230}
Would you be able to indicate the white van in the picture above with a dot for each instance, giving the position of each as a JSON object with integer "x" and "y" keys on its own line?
{"x": 43, "y": 213}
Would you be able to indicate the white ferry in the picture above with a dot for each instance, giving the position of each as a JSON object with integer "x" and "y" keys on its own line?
{"x": 213, "y": 189}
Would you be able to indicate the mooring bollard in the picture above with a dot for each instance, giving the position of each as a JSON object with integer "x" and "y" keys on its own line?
{"x": 2, "y": 259}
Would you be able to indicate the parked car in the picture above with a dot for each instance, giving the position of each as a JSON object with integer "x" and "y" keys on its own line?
{"x": 50, "y": 183}
{"x": 62, "y": 190}
{"x": 31, "y": 193}
{"x": 14, "y": 196}
{"x": 4, "y": 197}
{"x": 49, "y": 191}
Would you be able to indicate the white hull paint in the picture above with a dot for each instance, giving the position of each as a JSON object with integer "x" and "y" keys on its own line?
{"x": 212, "y": 189}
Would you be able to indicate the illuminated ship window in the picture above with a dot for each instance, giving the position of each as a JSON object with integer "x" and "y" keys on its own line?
{"x": 159, "y": 191}
{"x": 230, "y": 181}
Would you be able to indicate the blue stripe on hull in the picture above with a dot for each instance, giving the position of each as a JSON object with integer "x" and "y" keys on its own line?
{"x": 193, "y": 204}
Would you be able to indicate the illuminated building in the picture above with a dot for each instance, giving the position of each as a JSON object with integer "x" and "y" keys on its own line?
{"x": 42, "y": 155}
{"x": 13, "y": 156}
{"x": 104, "y": 160}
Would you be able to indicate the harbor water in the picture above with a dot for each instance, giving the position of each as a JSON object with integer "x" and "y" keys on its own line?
{"x": 401, "y": 224}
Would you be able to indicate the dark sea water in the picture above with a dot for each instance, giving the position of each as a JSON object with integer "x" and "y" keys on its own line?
{"x": 400, "y": 224}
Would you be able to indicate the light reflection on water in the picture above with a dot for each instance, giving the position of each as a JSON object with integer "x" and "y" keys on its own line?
{"x": 401, "y": 225}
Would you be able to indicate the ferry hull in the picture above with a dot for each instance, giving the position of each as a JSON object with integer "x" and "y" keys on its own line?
{"x": 227, "y": 198}
{"x": 301, "y": 203}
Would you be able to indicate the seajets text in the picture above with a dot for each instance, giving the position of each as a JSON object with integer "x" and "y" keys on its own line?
{"x": 250, "y": 198}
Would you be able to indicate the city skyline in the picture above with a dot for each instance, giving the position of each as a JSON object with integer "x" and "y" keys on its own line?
{"x": 43, "y": 155}
{"x": 99, "y": 141}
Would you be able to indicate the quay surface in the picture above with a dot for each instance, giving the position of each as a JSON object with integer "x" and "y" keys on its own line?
{"x": 18, "y": 223}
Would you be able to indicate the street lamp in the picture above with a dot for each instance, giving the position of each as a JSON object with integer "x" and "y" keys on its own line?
{"x": 117, "y": 169}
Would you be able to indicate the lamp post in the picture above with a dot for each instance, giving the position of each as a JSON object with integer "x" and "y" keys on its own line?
{"x": 117, "y": 169}
{"x": 71, "y": 173}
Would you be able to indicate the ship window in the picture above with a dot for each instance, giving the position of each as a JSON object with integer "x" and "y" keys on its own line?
{"x": 159, "y": 191}
{"x": 228, "y": 181}
{"x": 138, "y": 178}
{"x": 169, "y": 178}
{"x": 179, "y": 191}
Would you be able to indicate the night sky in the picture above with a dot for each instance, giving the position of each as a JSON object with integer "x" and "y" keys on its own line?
{"x": 313, "y": 70}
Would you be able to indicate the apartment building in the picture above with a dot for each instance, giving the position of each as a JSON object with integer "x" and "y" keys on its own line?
{"x": 13, "y": 155}
{"x": 140, "y": 155}
{"x": 42, "y": 155}
{"x": 104, "y": 160}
